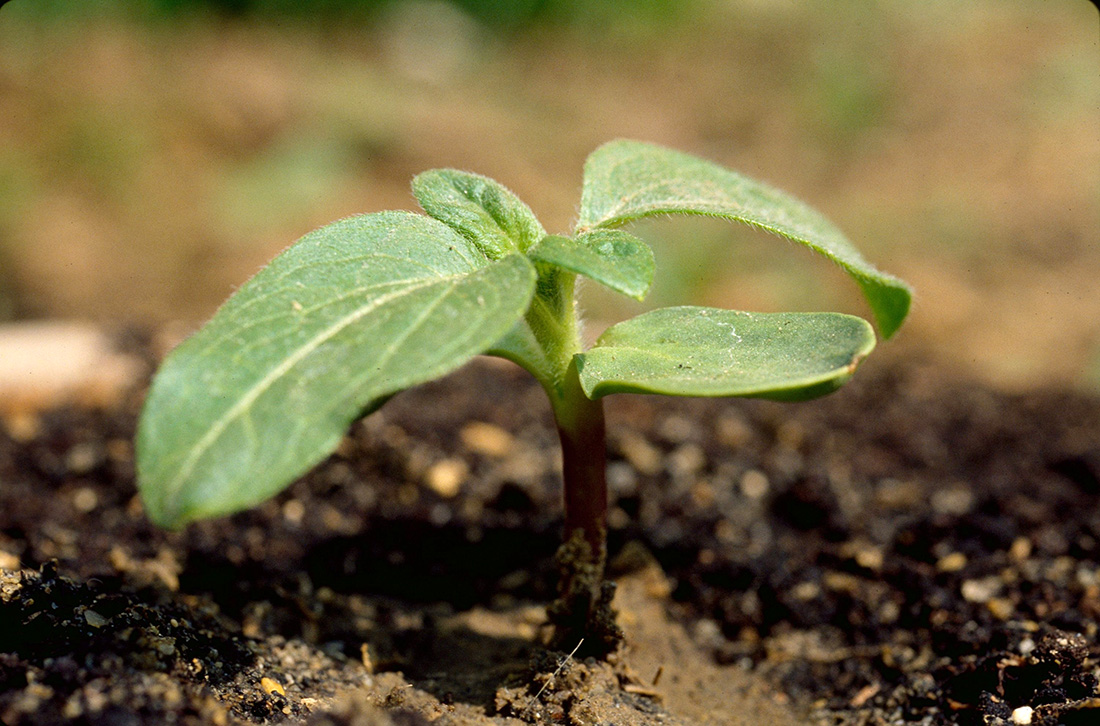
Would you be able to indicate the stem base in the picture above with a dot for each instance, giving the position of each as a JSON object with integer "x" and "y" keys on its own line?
{"x": 583, "y": 609}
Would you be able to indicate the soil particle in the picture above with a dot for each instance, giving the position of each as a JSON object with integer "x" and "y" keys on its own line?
{"x": 913, "y": 549}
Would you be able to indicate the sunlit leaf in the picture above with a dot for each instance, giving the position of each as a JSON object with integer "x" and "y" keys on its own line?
{"x": 629, "y": 180}
{"x": 347, "y": 316}
{"x": 695, "y": 351}
{"x": 480, "y": 209}
{"x": 611, "y": 257}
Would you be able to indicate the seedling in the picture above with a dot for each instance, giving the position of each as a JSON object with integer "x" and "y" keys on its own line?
{"x": 371, "y": 305}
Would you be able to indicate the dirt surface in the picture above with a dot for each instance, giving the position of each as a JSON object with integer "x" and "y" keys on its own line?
{"x": 913, "y": 549}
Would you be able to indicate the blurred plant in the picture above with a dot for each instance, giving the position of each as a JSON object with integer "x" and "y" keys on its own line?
{"x": 501, "y": 14}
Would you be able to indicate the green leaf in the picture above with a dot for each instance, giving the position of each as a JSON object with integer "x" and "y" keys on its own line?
{"x": 629, "y": 180}
{"x": 694, "y": 351}
{"x": 611, "y": 257}
{"x": 480, "y": 209}
{"x": 349, "y": 315}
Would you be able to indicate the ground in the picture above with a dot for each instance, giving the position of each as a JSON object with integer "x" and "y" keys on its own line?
{"x": 914, "y": 549}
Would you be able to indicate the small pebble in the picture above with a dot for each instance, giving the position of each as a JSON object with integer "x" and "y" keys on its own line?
{"x": 1026, "y": 646}
{"x": 952, "y": 562}
{"x": 676, "y": 429}
{"x": 85, "y": 499}
{"x": 1022, "y": 715}
{"x": 82, "y": 458}
{"x": 686, "y": 460}
{"x": 1001, "y": 608}
{"x": 445, "y": 477}
{"x": 957, "y": 500}
{"x": 486, "y": 438}
{"x": 981, "y": 590}
{"x": 733, "y": 432}
{"x": 754, "y": 484}
{"x": 644, "y": 456}
{"x": 622, "y": 479}
{"x": 1021, "y": 549}
{"x": 270, "y": 685}
{"x": 8, "y": 561}
{"x": 872, "y": 558}
{"x": 294, "y": 511}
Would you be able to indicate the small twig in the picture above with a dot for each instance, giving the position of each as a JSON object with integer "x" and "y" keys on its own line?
{"x": 561, "y": 664}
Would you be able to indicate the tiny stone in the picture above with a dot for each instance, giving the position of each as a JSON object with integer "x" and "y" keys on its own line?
{"x": 617, "y": 518}
{"x": 270, "y": 685}
{"x": 733, "y": 431}
{"x": 806, "y": 591}
{"x": 1000, "y": 607}
{"x": 870, "y": 557}
{"x": 1021, "y": 549}
{"x": 8, "y": 561}
{"x": 85, "y": 499}
{"x": 364, "y": 656}
{"x": 94, "y": 619}
{"x": 707, "y": 633}
{"x": 898, "y": 494}
{"x": 486, "y": 438}
{"x": 981, "y": 590}
{"x": 294, "y": 511}
{"x": 686, "y": 460}
{"x": 82, "y": 458}
{"x": 754, "y": 484}
{"x": 23, "y": 426}
{"x": 622, "y": 479}
{"x": 644, "y": 456}
{"x": 445, "y": 477}
{"x": 952, "y": 562}
{"x": 1022, "y": 715}
{"x": 676, "y": 429}
{"x": 956, "y": 500}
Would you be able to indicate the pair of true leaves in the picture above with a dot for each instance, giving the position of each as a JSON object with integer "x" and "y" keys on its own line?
{"x": 370, "y": 305}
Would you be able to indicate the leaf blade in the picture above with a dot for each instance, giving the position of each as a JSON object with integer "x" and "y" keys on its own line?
{"x": 346, "y": 317}
{"x": 630, "y": 180}
{"x": 611, "y": 257}
{"x": 479, "y": 208}
{"x": 696, "y": 351}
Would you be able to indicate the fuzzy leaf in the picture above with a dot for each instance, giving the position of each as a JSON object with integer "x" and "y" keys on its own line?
{"x": 611, "y": 257}
{"x": 349, "y": 315}
{"x": 694, "y": 351}
{"x": 629, "y": 180}
{"x": 480, "y": 209}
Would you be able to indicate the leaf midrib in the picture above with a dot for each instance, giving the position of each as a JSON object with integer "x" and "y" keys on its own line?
{"x": 245, "y": 402}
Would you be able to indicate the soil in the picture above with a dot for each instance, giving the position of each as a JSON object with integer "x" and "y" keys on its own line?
{"x": 914, "y": 549}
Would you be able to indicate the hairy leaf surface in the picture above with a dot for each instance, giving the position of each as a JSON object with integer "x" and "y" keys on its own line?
{"x": 611, "y": 257}
{"x": 480, "y": 209}
{"x": 349, "y": 315}
{"x": 696, "y": 351}
{"x": 629, "y": 180}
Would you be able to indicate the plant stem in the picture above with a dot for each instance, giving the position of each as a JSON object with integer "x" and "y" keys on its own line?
{"x": 580, "y": 423}
{"x": 583, "y": 610}
{"x": 546, "y": 343}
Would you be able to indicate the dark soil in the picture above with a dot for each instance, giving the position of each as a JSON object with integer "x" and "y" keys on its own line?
{"x": 913, "y": 549}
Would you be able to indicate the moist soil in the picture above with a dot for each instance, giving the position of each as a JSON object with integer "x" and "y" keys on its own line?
{"x": 913, "y": 549}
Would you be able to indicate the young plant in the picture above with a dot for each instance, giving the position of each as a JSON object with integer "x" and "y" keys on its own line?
{"x": 368, "y": 306}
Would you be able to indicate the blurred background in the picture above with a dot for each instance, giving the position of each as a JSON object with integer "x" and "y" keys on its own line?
{"x": 155, "y": 153}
